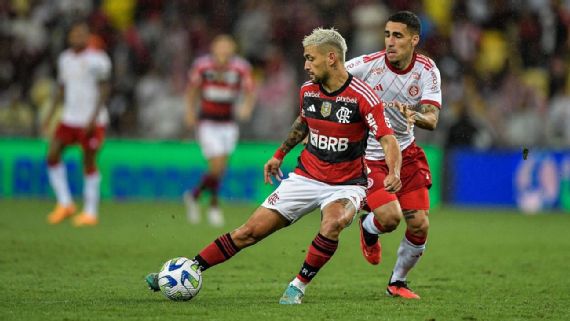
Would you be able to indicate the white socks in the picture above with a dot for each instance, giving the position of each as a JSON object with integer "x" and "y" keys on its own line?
{"x": 91, "y": 188}
{"x": 408, "y": 255}
{"x": 299, "y": 284}
{"x": 91, "y": 193}
{"x": 368, "y": 224}
{"x": 58, "y": 181}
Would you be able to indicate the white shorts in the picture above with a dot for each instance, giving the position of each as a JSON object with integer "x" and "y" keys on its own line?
{"x": 298, "y": 195}
{"x": 217, "y": 138}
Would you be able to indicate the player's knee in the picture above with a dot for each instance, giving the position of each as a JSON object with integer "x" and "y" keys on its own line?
{"x": 245, "y": 236}
{"x": 89, "y": 169}
{"x": 332, "y": 227}
{"x": 52, "y": 159}
{"x": 419, "y": 227}
{"x": 389, "y": 221}
{"x": 389, "y": 218}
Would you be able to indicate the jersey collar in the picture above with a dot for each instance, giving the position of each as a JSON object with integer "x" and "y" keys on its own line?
{"x": 338, "y": 91}
{"x": 401, "y": 72}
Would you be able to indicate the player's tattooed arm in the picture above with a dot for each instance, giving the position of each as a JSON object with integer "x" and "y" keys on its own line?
{"x": 426, "y": 117}
{"x": 299, "y": 130}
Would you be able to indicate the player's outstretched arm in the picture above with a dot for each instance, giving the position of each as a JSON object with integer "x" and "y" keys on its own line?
{"x": 104, "y": 93}
{"x": 246, "y": 108}
{"x": 425, "y": 117}
{"x": 299, "y": 130}
{"x": 391, "y": 148}
{"x": 191, "y": 98}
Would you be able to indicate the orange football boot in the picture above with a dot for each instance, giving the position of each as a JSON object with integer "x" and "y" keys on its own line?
{"x": 60, "y": 213}
{"x": 85, "y": 219}
{"x": 373, "y": 253}
{"x": 401, "y": 289}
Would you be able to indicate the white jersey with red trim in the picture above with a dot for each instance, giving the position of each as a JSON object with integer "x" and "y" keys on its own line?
{"x": 418, "y": 84}
{"x": 80, "y": 74}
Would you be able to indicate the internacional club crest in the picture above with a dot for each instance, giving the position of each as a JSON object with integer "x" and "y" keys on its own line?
{"x": 326, "y": 108}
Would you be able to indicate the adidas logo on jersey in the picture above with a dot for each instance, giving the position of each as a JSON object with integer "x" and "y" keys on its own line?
{"x": 312, "y": 108}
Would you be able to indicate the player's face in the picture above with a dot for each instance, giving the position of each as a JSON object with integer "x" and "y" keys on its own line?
{"x": 316, "y": 64}
{"x": 78, "y": 37}
{"x": 223, "y": 49}
{"x": 400, "y": 43}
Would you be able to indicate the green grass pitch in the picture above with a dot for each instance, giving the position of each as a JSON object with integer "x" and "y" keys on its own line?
{"x": 479, "y": 265}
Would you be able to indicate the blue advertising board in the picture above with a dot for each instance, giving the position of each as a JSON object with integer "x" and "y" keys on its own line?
{"x": 505, "y": 178}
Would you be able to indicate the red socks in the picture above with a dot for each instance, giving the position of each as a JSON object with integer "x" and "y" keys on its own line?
{"x": 320, "y": 252}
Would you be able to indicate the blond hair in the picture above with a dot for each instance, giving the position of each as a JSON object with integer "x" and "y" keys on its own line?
{"x": 330, "y": 37}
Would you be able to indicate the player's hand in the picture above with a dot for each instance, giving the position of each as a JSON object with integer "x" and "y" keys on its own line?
{"x": 45, "y": 127}
{"x": 408, "y": 113}
{"x": 272, "y": 169}
{"x": 190, "y": 120}
{"x": 392, "y": 183}
{"x": 243, "y": 115}
{"x": 90, "y": 129}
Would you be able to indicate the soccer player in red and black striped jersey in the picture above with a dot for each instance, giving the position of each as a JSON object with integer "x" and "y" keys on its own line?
{"x": 337, "y": 112}
{"x": 218, "y": 81}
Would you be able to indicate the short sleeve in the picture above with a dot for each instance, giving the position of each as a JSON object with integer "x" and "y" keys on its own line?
{"x": 372, "y": 110}
{"x": 194, "y": 75}
{"x": 247, "y": 77}
{"x": 60, "y": 70}
{"x": 430, "y": 82}
{"x": 101, "y": 67}
{"x": 356, "y": 67}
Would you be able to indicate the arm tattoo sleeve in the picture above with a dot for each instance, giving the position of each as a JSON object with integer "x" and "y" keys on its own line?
{"x": 427, "y": 108}
{"x": 298, "y": 132}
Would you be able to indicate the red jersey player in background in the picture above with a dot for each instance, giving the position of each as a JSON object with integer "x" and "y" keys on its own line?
{"x": 409, "y": 85}
{"x": 217, "y": 81}
{"x": 337, "y": 111}
{"x": 83, "y": 75}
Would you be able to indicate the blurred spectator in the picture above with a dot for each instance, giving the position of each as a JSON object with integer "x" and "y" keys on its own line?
{"x": 369, "y": 18}
{"x": 512, "y": 55}
{"x": 558, "y": 129}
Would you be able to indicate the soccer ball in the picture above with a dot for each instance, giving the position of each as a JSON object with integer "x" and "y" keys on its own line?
{"x": 180, "y": 279}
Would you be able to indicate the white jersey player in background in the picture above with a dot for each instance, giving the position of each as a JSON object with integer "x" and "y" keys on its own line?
{"x": 83, "y": 75}
{"x": 409, "y": 85}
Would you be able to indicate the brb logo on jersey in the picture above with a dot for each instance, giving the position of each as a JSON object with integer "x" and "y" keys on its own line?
{"x": 329, "y": 143}
{"x": 343, "y": 115}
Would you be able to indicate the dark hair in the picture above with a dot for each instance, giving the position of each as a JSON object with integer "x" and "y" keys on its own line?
{"x": 78, "y": 23}
{"x": 408, "y": 18}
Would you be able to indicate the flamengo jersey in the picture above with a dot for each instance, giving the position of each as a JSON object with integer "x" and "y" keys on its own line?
{"x": 339, "y": 124}
{"x": 220, "y": 86}
{"x": 419, "y": 84}
{"x": 80, "y": 74}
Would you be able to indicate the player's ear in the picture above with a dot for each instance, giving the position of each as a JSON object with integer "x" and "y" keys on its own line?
{"x": 332, "y": 57}
{"x": 415, "y": 40}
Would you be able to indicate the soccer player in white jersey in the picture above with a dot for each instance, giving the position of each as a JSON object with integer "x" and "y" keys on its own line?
{"x": 83, "y": 75}
{"x": 337, "y": 111}
{"x": 218, "y": 81}
{"x": 408, "y": 84}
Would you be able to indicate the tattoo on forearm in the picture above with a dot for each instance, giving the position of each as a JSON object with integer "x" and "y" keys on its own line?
{"x": 427, "y": 108}
{"x": 409, "y": 214}
{"x": 298, "y": 131}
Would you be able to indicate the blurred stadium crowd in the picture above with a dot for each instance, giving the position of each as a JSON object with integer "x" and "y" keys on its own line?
{"x": 504, "y": 63}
